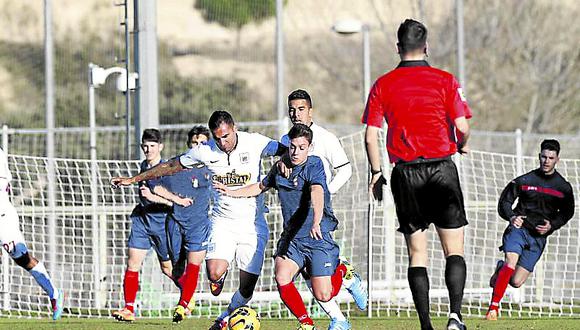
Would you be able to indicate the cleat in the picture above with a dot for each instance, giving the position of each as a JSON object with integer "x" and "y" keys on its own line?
{"x": 219, "y": 325}
{"x": 57, "y": 305}
{"x": 354, "y": 285}
{"x": 455, "y": 323}
{"x": 339, "y": 325}
{"x": 491, "y": 315}
{"x": 217, "y": 286}
{"x": 493, "y": 277}
{"x": 178, "y": 314}
{"x": 303, "y": 326}
{"x": 124, "y": 315}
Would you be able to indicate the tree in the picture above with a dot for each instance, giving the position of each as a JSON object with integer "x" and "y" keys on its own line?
{"x": 236, "y": 13}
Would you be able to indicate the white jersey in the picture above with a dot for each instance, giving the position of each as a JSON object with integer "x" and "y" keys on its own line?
{"x": 239, "y": 168}
{"x": 5, "y": 177}
{"x": 10, "y": 235}
{"x": 327, "y": 147}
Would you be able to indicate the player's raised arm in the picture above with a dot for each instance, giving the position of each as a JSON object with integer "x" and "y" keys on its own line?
{"x": 167, "y": 168}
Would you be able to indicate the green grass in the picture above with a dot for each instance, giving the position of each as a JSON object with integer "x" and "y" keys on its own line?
{"x": 286, "y": 324}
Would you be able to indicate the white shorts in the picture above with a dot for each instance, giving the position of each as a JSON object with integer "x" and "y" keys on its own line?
{"x": 227, "y": 243}
{"x": 11, "y": 237}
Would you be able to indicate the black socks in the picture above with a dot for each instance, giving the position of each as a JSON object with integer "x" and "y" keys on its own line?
{"x": 455, "y": 274}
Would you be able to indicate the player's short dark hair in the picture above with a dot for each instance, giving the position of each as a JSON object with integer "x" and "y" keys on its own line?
{"x": 219, "y": 117}
{"x": 197, "y": 130}
{"x": 412, "y": 35}
{"x": 151, "y": 135}
{"x": 300, "y": 94}
{"x": 300, "y": 130}
{"x": 550, "y": 144}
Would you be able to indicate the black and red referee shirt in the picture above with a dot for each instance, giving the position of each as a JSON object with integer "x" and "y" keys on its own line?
{"x": 420, "y": 104}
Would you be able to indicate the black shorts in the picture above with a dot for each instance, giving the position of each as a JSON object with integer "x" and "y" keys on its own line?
{"x": 427, "y": 192}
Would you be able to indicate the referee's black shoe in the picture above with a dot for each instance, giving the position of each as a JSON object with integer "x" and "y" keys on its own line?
{"x": 455, "y": 323}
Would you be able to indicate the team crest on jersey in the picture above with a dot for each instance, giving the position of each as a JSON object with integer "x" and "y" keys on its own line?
{"x": 233, "y": 179}
{"x": 244, "y": 157}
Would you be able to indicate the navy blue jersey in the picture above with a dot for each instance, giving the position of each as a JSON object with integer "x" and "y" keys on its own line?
{"x": 540, "y": 197}
{"x": 148, "y": 210}
{"x": 192, "y": 183}
{"x": 145, "y": 205}
{"x": 294, "y": 194}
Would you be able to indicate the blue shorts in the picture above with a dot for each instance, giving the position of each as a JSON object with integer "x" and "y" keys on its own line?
{"x": 319, "y": 257}
{"x": 527, "y": 246}
{"x": 187, "y": 235}
{"x": 149, "y": 233}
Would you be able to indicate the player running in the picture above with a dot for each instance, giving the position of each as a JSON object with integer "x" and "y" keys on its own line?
{"x": 190, "y": 194}
{"x": 148, "y": 229}
{"x": 239, "y": 229}
{"x": 338, "y": 171}
{"x": 308, "y": 223}
{"x": 13, "y": 242}
{"x": 545, "y": 204}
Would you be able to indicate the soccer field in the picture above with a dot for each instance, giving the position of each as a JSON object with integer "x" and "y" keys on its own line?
{"x": 286, "y": 324}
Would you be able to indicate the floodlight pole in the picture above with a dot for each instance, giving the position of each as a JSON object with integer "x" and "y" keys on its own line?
{"x": 366, "y": 62}
{"x": 460, "y": 44}
{"x": 347, "y": 27}
{"x": 97, "y": 77}
{"x": 280, "y": 104}
{"x": 94, "y": 191}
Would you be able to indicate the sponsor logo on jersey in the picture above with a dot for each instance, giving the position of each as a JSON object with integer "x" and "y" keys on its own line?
{"x": 543, "y": 190}
{"x": 232, "y": 179}
{"x": 327, "y": 264}
{"x": 244, "y": 157}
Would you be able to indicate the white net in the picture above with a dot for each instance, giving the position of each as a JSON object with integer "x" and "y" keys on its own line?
{"x": 87, "y": 252}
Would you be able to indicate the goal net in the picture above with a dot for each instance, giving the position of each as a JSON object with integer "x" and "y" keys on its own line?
{"x": 80, "y": 226}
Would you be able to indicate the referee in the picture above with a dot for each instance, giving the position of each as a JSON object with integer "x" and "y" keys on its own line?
{"x": 426, "y": 115}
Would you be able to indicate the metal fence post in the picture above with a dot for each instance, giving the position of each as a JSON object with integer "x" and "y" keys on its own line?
{"x": 519, "y": 153}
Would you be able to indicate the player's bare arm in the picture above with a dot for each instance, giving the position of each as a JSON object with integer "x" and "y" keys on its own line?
{"x": 462, "y": 131}
{"x": 168, "y": 168}
{"x": 149, "y": 195}
{"x": 168, "y": 195}
{"x": 373, "y": 155}
{"x": 317, "y": 198}
{"x": 252, "y": 190}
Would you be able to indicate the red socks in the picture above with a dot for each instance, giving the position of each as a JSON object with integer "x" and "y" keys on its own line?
{"x": 336, "y": 279}
{"x": 291, "y": 297}
{"x": 189, "y": 284}
{"x": 503, "y": 279}
{"x": 130, "y": 287}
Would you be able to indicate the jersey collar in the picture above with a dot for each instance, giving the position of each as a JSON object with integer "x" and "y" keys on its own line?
{"x": 409, "y": 64}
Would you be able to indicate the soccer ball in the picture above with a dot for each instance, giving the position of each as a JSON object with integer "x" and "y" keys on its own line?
{"x": 244, "y": 318}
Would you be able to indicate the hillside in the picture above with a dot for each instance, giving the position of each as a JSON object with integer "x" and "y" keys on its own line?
{"x": 509, "y": 69}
